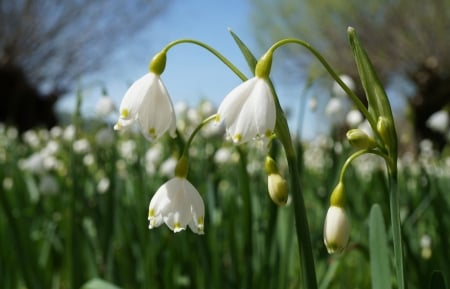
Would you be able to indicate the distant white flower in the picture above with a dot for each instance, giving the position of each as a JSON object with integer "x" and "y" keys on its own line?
{"x": 69, "y": 133}
{"x": 104, "y": 106}
{"x": 439, "y": 121}
{"x": 148, "y": 102}
{"x": 178, "y": 204}
{"x": 334, "y": 107}
{"x": 248, "y": 111}
{"x": 168, "y": 167}
{"x": 81, "y": 146}
{"x": 336, "y": 229}
{"x": 103, "y": 185}
{"x": 354, "y": 118}
{"x": 223, "y": 155}
{"x": 337, "y": 89}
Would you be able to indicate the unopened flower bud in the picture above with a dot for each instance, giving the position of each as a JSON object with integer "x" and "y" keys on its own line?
{"x": 336, "y": 229}
{"x": 278, "y": 189}
{"x": 384, "y": 128}
{"x": 360, "y": 140}
{"x": 158, "y": 63}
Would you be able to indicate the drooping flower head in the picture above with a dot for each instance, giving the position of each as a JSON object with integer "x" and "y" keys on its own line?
{"x": 249, "y": 110}
{"x": 178, "y": 204}
{"x": 148, "y": 102}
{"x": 336, "y": 230}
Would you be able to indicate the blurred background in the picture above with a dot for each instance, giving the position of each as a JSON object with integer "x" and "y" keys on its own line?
{"x": 74, "y": 194}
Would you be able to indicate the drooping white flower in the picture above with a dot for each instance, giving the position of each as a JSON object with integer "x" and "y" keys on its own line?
{"x": 178, "y": 204}
{"x": 148, "y": 102}
{"x": 248, "y": 111}
{"x": 336, "y": 229}
{"x": 439, "y": 121}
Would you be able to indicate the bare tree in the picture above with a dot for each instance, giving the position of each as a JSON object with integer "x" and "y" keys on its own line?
{"x": 46, "y": 44}
{"x": 404, "y": 38}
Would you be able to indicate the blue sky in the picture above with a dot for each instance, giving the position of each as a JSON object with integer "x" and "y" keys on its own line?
{"x": 192, "y": 73}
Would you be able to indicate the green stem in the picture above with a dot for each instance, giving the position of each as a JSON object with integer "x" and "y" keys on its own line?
{"x": 356, "y": 155}
{"x": 348, "y": 91}
{"x": 396, "y": 228}
{"x": 194, "y": 133}
{"x": 210, "y": 49}
{"x": 301, "y": 219}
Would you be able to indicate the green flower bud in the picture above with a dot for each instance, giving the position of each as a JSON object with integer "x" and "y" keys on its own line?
{"x": 278, "y": 189}
{"x": 182, "y": 167}
{"x": 385, "y": 129}
{"x": 158, "y": 63}
{"x": 264, "y": 65}
{"x": 337, "y": 196}
{"x": 360, "y": 140}
{"x": 271, "y": 166}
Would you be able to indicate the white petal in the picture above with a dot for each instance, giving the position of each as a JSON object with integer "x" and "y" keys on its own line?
{"x": 336, "y": 229}
{"x": 156, "y": 115}
{"x": 197, "y": 208}
{"x": 134, "y": 96}
{"x": 231, "y": 105}
{"x": 256, "y": 115}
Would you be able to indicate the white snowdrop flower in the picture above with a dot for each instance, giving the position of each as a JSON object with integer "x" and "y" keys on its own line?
{"x": 439, "y": 121}
{"x": 178, "y": 204}
{"x": 69, "y": 133}
{"x": 335, "y": 108}
{"x": 168, "y": 167}
{"x": 193, "y": 116}
{"x": 127, "y": 150}
{"x": 181, "y": 108}
{"x": 31, "y": 138}
{"x": 207, "y": 108}
{"x": 148, "y": 102}
{"x": 223, "y": 156}
{"x": 154, "y": 154}
{"x": 248, "y": 111}
{"x": 51, "y": 148}
{"x": 104, "y": 106}
{"x": 88, "y": 160}
{"x": 34, "y": 163}
{"x": 81, "y": 146}
{"x": 103, "y": 185}
{"x": 7, "y": 183}
{"x": 337, "y": 89}
{"x": 336, "y": 229}
{"x": 56, "y": 132}
{"x": 354, "y": 118}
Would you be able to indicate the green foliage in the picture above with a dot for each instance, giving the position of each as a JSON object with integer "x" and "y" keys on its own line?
{"x": 74, "y": 201}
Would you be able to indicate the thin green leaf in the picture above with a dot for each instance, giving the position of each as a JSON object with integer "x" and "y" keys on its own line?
{"x": 378, "y": 101}
{"x": 379, "y": 256}
{"x": 249, "y": 57}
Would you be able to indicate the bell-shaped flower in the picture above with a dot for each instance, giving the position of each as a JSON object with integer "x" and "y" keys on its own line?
{"x": 178, "y": 204}
{"x": 336, "y": 229}
{"x": 148, "y": 102}
{"x": 248, "y": 111}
